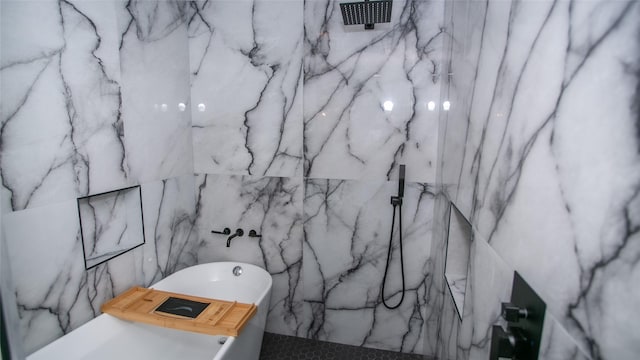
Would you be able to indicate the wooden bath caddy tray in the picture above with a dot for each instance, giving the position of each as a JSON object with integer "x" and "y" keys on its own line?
{"x": 215, "y": 317}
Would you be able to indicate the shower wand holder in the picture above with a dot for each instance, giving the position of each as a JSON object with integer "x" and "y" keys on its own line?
{"x": 396, "y": 200}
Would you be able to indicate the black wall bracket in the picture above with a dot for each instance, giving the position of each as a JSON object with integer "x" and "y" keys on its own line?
{"x": 525, "y": 318}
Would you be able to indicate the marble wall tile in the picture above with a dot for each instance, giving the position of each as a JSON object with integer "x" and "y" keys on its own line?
{"x": 169, "y": 226}
{"x": 437, "y": 314}
{"x": 93, "y": 71}
{"x": 62, "y": 295}
{"x": 540, "y": 153}
{"x": 349, "y": 73}
{"x": 8, "y": 306}
{"x": 556, "y": 343}
{"x": 347, "y": 227}
{"x": 273, "y": 207}
{"x": 154, "y": 59}
{"x": 246, "y": 86}
{"x": 61, "y": 116}
{"x": 489, "y": 285}
{"x": 98, "y": 98}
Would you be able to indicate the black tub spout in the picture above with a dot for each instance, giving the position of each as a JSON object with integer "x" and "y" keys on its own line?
{"x": 239, "y": 232}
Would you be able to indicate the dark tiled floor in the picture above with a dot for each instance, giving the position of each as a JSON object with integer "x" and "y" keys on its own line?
{"x": 280, "y": 347}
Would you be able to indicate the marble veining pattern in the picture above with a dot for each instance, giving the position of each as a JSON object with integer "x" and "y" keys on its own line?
{"x": 170, "y": 228}
{"x": 110, "y": 224}
{"x": 541, "y": 154}
{"x": 457, "y": 286}
{"x": 9, "y": 308}
{"x": 347, "y": 227}
{"x": 350, "y": 73}
{"x": 76, "y": 77}
{"x": 72, "y": 90}
{"x": 61, "y": 295}
{"x": 272, "y": 207}
{"x": 246, "y": 86}
{"x": 153, "y": 50}
{"x": 61, "y": 104}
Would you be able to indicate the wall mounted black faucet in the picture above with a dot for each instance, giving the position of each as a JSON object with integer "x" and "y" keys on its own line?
{"x": 239, "y": 232}
{"x": 253, "y": 233}
{"x": 226, "y": 231}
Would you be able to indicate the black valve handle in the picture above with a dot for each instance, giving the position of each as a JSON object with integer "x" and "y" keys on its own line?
{"x": 226, "y": 231}
{"x": 253, "y": 233}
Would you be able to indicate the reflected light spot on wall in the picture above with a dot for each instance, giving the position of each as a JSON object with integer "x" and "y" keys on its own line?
{"x": 387, "y": 105}
{"x": 446, "y": 105}
{"x": 431, "y": 105}
{"x": 201, "y": 107}
{"x": 164, "y": 107}
{"x": 182, "y": 106}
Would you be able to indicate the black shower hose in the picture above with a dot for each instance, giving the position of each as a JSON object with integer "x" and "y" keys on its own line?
{"x": 386, "y": 269}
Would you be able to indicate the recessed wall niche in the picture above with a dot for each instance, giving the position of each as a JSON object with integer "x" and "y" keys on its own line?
{"x": 111, "y": 224}
{"x": 456, "y": 269}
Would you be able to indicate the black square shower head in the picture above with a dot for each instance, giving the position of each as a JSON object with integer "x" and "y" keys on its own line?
{"x": 367, "y": 13}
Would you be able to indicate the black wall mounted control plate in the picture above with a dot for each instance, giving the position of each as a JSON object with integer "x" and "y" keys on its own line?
{"x": 524, "y": 297}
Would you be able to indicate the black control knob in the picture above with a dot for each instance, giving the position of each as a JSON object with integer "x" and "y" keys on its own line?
{"x": 502, "y": 344}
{"x": 510, "y": 344}
{"x": 512, "y": 313}
{"x": 226, "y": 231}
{"x": 253, "y": 233}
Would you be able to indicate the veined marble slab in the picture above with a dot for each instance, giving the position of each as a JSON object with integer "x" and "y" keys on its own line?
{"x": 54, "y": 292}
{"x": 541, "y": 154}
{"x": 371, "y": 97}
{"x": 347, "y": 228}
{"x": 272, "y": 207}
{"x": 246, "y": 86}
{"x": 77, "y": 76}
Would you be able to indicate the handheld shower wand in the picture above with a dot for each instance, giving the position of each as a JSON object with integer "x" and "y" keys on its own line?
{"x": 396, "y": 201}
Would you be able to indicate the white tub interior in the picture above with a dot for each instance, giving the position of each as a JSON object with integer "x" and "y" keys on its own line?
{"x": 107, "y": 337}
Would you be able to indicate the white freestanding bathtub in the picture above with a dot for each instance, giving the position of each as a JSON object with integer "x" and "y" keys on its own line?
{"x": 107, "y": 337}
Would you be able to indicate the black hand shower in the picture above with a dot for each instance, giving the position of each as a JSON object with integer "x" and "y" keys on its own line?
{"x": 367, "y": 13}
{"x": 401, "y": 183}
{"x": 396, "y": 201}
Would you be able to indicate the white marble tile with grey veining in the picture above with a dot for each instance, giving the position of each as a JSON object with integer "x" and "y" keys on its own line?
{"x": 62, "y": 131}
{"x": 154, "y": 48}
{"x": 347, "y": 230}
{"x": 272, "y": 207}
{"x": 556, "y": 343}
{"x": 9, "y": 309}
{"x": 542, "y": 149}
{"x": 371, "y": 96}
{"x": 246, "y": 86}
{"x": 93, "y": 71}
{"x": 489, "y": 284}
{"x": 171, "y": 235}
{"x": 61, "y": 295}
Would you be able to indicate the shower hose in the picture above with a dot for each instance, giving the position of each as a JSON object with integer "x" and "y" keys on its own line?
{"x": 386, "y": 269}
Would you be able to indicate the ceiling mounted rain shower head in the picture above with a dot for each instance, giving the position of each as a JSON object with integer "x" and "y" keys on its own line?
{"x": 367, "y": 13}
